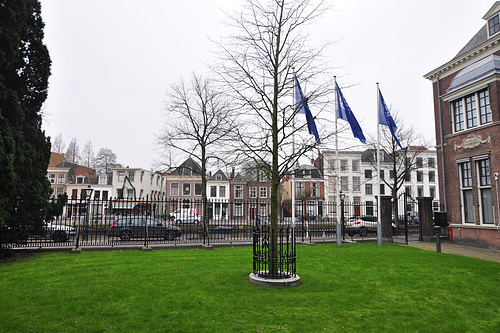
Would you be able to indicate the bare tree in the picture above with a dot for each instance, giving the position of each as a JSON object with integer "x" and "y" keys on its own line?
{"x": 199, "y": 119}
{"x": 73, "y": 152}
{"x": 403, "y": 162}
{"x": 88, "y": 155}
{"x": 105, "y": 160}
{"x": 58, "y": 145}
{"x": 258, "y": 64}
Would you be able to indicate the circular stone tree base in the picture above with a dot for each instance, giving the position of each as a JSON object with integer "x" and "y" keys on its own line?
{"x": 284, "y": 282}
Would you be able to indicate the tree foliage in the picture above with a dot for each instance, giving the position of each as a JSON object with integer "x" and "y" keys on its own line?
{"x": 24, "y": 148}
{"x": 105, "y": 160}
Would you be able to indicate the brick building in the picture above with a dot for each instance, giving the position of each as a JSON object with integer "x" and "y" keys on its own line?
{"x": 467, "y": 117}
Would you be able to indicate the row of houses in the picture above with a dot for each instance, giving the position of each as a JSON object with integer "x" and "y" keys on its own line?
{"x": 247, "y": 192}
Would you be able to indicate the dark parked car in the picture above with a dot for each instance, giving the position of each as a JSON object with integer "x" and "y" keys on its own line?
{"x": 140, "y": 227}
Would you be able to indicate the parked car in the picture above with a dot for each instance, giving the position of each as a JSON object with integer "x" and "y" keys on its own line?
{"x": 140, "y": 227}
{"x": 363, "y": 225}
{"x": 187, "y": 219}
{"x": 184, "y": 214}
{"x": 59, "y": 232}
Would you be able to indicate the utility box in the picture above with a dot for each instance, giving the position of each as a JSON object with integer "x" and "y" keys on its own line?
{"x": 441, "y": 220}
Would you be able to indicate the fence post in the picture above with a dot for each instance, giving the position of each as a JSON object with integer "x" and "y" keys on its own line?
{"x": 386, "y": 218}
{"x": 425, "y": 218}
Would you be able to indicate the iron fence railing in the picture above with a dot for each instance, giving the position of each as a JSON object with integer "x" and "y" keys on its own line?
{"x": 119, "y": 222}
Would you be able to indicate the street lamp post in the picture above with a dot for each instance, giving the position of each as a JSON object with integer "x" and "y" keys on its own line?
{"x": 88, "y": 195}
{"x": 342, "y": 198}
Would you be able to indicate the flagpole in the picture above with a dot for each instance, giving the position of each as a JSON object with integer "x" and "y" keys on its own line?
{"x": 293, "y": 151}
{"x": 379, "y": 224}
{"x": 337, "y": 167}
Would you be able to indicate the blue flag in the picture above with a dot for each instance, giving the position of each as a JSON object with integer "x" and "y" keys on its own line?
{"x": 302, "y": 107}
{"x": 385, "y": 118}
{"x": 345, "y": 113}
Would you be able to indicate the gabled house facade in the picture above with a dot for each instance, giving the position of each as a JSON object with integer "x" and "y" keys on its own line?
{"x": 184, "y": 187}
{"x": 467, "y": 116}
{"x": 309, "y": 186}
{"x": 218, "y": 195}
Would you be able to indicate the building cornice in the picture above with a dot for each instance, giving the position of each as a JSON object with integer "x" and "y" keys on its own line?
{"x": 456, "y": 64}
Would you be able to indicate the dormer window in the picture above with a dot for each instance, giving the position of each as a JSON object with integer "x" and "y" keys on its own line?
{"x": 493, "y": 25}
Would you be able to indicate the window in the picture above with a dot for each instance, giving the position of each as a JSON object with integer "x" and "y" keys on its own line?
{"x": 493, "y": 25}
{"x": 467, "y": 198}
{"x": 52, "y": 178}
{"x": 458, "y": 115}
{"x": 382, "y": 173}
{"x": 60, "y": 179}
{"x": 314, "y": 189}
{"x": 420, "y": 176}
{"x": 131, "y": 175}
{"x": 104, "y": 195}
{"x": 119, "y": 193}
{"x": 368, "y": 174}
{"x": 103, "y": 180}
{"x": 238, "y": 209}
{"x": 263, "y": 192}
{"x": 222, "y": 191}
{"x": 368, "y": 189}
{"x": 382, "y": 188}
{"x": 213, "y": 191}
{"x": 197, "y": 188}
{"x": 238, "y": 192}
{"x": 431, "y": 162}
{"x": 344, "y": 184}
{"x": 485, "y": 193}
{"x": 130, "y": 193}
{"x": 419, "y": 162}
{"x": 432, "y": 176}
{"x": 262, "y": 176}
{"x": 408, "y": 191}
{"x": 79, "y": 180}
{"x": 356, "y": 181}
{"x": 407, "y": 176}
{"x": 253, "y": 192}
{"x": 420, "y": 191}
{"x": 187, "y": 172}
{"x": 299, "y": 190}
{"x": 97, "y": 195}
{"x": 186, "y": 189}
{"x": 432, "y": 191}
{"x": 484, "y": 106}
{"x": 355, "y": 165}
{"x": 174, "y": 189}
{"x": 369, "y": 208}
{"x": 343, "y": 166}
{"x": 391, "y": 174}
{"x": 218, "y": 177}
{"x": 121, "y": 175}
{"x": 469, "y": 118}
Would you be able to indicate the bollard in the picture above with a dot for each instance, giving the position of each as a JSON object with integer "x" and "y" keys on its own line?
{"x": 437, "y": 232}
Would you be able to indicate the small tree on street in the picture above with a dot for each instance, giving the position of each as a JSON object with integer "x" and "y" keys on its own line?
{"x": 199, "y": 119}
{"x": 258, "y": 64}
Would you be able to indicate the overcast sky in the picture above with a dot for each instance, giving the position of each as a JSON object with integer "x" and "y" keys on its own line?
{"x": 114, "y": 60}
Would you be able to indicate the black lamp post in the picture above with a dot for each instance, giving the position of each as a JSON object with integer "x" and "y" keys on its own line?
{"x": 88, "y": 195}
{"x": 342, "y": 198}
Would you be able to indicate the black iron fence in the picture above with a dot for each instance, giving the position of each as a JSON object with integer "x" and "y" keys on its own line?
{"x": 118, "y": 222}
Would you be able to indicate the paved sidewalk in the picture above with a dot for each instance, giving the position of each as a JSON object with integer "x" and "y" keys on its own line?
{"x": 446, "y": 247}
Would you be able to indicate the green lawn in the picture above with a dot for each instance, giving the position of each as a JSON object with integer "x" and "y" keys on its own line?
{"x": 354, "y": 288}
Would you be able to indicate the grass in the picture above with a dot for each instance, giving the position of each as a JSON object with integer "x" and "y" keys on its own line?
{"x": 354, "y": 288}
